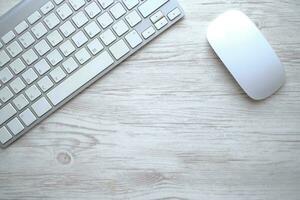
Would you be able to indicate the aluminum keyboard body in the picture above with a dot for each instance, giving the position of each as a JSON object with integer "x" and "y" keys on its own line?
{"x": 59, "y": 62}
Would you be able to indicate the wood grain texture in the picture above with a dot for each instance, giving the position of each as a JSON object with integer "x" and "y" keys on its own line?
{"x": 171, "y": 123}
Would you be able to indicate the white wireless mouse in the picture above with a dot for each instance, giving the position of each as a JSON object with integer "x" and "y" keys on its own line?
{"x": 246, "y": 54}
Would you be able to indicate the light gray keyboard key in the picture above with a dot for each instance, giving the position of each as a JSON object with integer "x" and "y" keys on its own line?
{"x": 5, "y": 136}
{"x": 4, "y": 58}
{"x": 6, "y": 112}
{"x": 130, "y": 3}
{"x": 34, "y": 17}
{"x": 105, "y": 3}
{"x": 45, "y": 83}
{"x": 8, "y": 37}
{"x": 5, "y": 94}
{"x": 21, "y": 27}
{"x": 47, "y": 7}
{"x": 119, "y": 49}
{"x": 51, "y": 21}
{"x": 5, "y": 75}
{"x": 57, "y": 74}
{"x": 17, "y": 85}
{"x": 26, "y": 39}
{"x": 14, "y": 49}
{"x": 92, "y": 10}
{"x": 27, "y": 117}
{"x": 41, "y": 107}
{"x": 15, "y": 126}
{"x": 77, "y": 4}
{"x": 80, "y": 77}
{"x": 33, "y": 93}
{"x": 64, "y": 11}
{"x": 20, "y": 102}
{"x": 70, "y": 65}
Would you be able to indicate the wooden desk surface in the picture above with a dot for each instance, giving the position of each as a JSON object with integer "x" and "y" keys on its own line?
{"x": 171, "y": 123}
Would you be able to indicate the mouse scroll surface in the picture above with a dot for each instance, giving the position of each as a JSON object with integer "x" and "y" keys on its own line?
{"x": 246, "y": 54}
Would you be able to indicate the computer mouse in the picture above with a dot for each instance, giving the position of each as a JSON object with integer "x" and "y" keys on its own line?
{"x": 247, "y": 54}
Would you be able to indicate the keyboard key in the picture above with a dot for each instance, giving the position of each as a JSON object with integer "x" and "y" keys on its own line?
{"x": 14, "y": 49}
{"x": 42, "y": 67}
{"x": 80, "y": 19}
{"x": 148, "y": 32}
{"x": 79, "y": 39}
{"x": 174, "y": 13}
{"x": 58, "y": 1}
{"x": 34, "y": 17}
{"x": 30, "y": 57}
{"x": 51, "y": 21}
{"x": 45, "y": 83}
{"x": 133, "y": 18}
{"x": 41, "y": 107}
{"x": 67, "y": 29}
{"x": 117, "y": 11}
{"x": 29, "y": 76}
{"x": 130, "y": 3}
{"x": 120, "y": 28}
{"x": 4, "y": 58}
{"x": 17, "y": 66}
{"x": 54, "y": 57}
{"x": 70, "y": 65}
{"x": 42, "y": 47}
{"x": 119, "y": 49}
{"x": 39, "y": 30}
{"x": 64, "y": 11}
{"x": 47, "y": 7}
{"x": 8, "y": 37}
{"x": 92, "y": 10}
{"x": 161, "y": 23}
{"x": 157, "y": 16}
{"x": 82, "y": 56}
{"x": 95, "y": 46}
{"x": 67, "y": 48}
{"x": 54, "y": 38}
{"x": 77, "y": 4}
{"x": 105, "y": 3}
{"x": 108, "y": 37}
{"x": 80, "y": 78}
{"x": 57, "y": 74}
{"x": 92, "y": 29}
{"x": 5, "y": 94}
{"x": 27, "y": 117}
{"x": 26, "y": 39}
{"x": 105, "y": 20}
{"x": 5, "y": 136}
{"x": 6, "y": 112}
{"x": 20, "y": 102}
{"x": 15, "y": 126}
{"x": 133, "y": 39}
{"x": 32, "y": 93}
{"x": 150, "y": 6}
{"x": 5, "y": 75}
{"x": 17, "y": 85}
{"x": 21, "y": 27}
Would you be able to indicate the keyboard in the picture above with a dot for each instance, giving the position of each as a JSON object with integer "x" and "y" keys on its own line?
{"x": 51, "y": 50}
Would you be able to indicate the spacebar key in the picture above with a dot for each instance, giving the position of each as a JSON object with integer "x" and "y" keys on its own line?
{"x": 80, "y": 78}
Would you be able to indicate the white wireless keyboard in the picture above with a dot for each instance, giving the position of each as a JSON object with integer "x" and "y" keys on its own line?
{"x": 51, "y": 50}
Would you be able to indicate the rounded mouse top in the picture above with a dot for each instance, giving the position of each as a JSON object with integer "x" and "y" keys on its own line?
{"x": 246, "y": 54}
